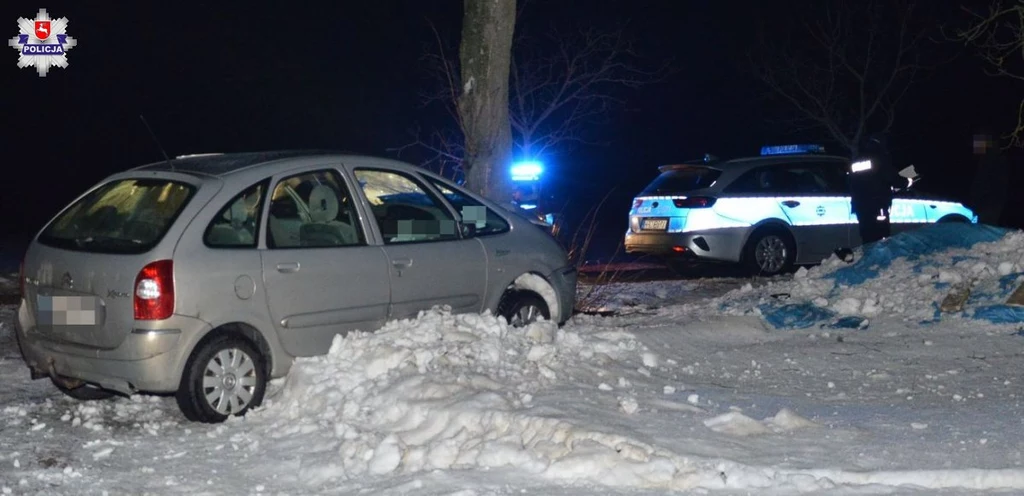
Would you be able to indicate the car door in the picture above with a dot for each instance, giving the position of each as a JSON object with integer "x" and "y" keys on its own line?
{"x": 322, "y": 277}
{"x": 811, "y": 199}
{"x": 430, "y": 262}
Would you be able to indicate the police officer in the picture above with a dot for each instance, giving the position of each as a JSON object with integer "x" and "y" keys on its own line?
{"x": 872, "y": 182}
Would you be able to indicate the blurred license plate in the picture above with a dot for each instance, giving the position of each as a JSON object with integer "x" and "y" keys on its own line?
{"x": 66, "y": 310}
{"x": 654, "y": 224}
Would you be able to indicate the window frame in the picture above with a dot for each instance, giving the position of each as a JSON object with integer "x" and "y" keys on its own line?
{"x": 265, "y": 182}
{"x": 342, "y": 181}
{"x": 812, "y": 167}
{"x": 440, "y": 202}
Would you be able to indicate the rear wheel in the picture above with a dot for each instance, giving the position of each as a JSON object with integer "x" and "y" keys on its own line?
{"x": 522, "y": 308}
{"x": 770, "y": 251}
{"x": 225, "y": 376}
{"x": 84, "y": 392}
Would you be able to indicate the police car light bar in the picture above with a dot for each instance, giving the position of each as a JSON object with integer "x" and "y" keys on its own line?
{"x": 526, "y": 171}
{"x": 791, "y": 149}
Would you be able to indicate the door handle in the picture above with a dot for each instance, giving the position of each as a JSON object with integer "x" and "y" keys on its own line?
{"x": 288, "y": 268}
{"x": 791, "y": 203}
{"x": 402, "y": 263}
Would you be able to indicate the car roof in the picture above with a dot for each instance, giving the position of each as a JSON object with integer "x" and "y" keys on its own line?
{"x": 225, "y": 164}
{"x": 750, "y": 162}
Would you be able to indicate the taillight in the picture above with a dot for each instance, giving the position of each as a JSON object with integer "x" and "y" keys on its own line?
{"x": 637, "y": 203}
{"x": 694, "y": 202}
{"x": 154, "y": 291}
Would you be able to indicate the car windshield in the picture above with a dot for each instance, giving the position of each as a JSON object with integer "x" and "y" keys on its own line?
{"x": 124, "y": 216}
{"x": 682, "y": 180}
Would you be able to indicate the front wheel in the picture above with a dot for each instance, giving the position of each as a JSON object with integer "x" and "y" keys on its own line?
{"x": 521, "y": 308}
{"x": 225, "y": 376}
{"x": 769, "y": 252}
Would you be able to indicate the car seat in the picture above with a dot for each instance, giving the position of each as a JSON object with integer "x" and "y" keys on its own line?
{"x": 324, "y": 228}
{"x": 234, "y": 232}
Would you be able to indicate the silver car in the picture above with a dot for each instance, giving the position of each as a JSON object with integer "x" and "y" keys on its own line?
{"x": 790, "y": 206}
{"x": 207, "y": 275}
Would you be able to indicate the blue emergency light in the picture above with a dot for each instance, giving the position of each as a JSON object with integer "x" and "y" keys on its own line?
{"x": 527, "y": 171}
{"x": 791, "y": 149}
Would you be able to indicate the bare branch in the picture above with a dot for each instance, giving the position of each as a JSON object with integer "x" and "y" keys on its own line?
{"x": 846, "y": 69}
{"x": 998, "y": 38}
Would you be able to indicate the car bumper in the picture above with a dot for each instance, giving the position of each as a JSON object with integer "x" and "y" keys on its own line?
{"x": 724, "y": 245}
{"x": 148, "y": 360}
{"x": 564, "y": 281}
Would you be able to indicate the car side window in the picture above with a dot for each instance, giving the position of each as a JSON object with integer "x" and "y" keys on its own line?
{"x": 236, "y": 225}
{"x": 313, "y": 210}
{"x": 754, "y": 181}
{"x": 404, "y": 210}
{"x": 483, "y": 220}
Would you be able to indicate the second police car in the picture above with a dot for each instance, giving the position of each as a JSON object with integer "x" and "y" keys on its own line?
{"x": 790, "y": 206}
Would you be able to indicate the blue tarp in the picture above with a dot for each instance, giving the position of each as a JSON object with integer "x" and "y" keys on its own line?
{"x": 1000, "y": 314}
{"x": 911, "y": 245}
{"x": 795, "y": 315}
{"x": 927, "y": 240}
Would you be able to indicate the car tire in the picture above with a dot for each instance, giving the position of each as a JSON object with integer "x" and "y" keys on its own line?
{"x": 84, "y": 392}
{"x": 242, "y": 385}
{"x": 770, "y": 251}
{"x": 522, "y": 308}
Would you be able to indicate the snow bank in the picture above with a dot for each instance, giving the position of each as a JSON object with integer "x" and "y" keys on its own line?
{"x": 906, "y": 277}
{"x": 454, "y": 392}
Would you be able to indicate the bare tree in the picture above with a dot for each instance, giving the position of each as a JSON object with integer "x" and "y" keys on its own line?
{"x": 561, "y": 86}
{"x": 844, "y": 69}
{"x": 485, "y": 59}
{"x": 998, "y": 36}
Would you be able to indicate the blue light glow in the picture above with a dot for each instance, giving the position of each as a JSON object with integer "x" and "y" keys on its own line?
{"x": 527, "y": 171}
{"x": 791, "y": 149}
{"x": 527, "y": 206}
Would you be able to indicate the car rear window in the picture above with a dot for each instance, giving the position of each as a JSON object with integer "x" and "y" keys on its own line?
{"x": 682, "y": 180}
{"x": 124, "y": 216}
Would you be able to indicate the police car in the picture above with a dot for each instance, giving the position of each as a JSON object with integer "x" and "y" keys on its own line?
{"x": 790, "y": 206}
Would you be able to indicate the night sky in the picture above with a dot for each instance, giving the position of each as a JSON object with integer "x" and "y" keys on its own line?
{"x": 348, "y": 75}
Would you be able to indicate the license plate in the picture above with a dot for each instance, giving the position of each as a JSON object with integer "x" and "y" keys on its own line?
{"x": 66, "y": 310}
{"x": 654, "y": 224}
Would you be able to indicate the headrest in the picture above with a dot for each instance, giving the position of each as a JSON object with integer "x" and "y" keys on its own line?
{"x": 323, "y": 204}
{"x": 239, "y": 212}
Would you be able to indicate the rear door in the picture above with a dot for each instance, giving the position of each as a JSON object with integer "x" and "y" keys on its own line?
{"x": 80, "y": 273}
{"x": 812, "y": 197}
{"x": 322, "y": 277}
{"x": 430, "y": 262}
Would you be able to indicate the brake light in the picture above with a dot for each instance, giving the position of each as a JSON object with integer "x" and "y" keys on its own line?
{"x": 637, "y": 203}
{"x": 154, "y": 291}
{"x": 694, "y": 202}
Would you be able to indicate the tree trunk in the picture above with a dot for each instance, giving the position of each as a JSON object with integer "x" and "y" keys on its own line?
{"x": 485, "y": 57}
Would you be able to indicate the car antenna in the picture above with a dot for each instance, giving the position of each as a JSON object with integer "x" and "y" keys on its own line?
{"x": 158, "y": 145}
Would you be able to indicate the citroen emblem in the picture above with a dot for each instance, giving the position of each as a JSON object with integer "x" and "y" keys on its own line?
{"x": 68, "y": 281}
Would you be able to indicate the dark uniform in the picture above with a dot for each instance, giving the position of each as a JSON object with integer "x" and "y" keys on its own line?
{"x": 872, "y": 179}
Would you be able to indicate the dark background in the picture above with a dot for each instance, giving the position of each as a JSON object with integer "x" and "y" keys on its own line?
{"x": 348, "y": 75}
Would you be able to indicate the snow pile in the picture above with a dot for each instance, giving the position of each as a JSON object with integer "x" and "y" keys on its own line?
{"x": 454, "y": 392}
{"x": 906, "y": 276}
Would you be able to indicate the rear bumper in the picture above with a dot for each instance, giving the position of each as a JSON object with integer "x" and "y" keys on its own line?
{"x": 148, "y": 360}
{"x": 564, "y": 281}
{"x": 725, "y": 245}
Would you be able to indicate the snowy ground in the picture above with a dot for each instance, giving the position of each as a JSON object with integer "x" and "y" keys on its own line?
{"x": 686, "y": 390}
